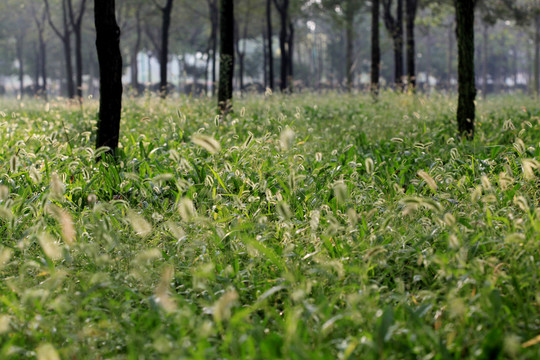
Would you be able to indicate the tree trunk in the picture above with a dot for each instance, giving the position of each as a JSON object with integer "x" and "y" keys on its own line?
{"x": 76, "y": 24}
{"x": 536, "y": 55}
{"x": 394, "y": 25}
{"x": 164, "y": 54}
{"x": 20, "y": 59}
{"x": 466, "y": 85}
{"x": 290, "y": 58}
{"x": 135, "y": 52}
{"x": 485, "y": 39}
{"x": 375, "y": 48}
{"x": 284, "y": 44}
{"x": 349, "y": 31}
{"x": 449, "y": 56}
{"x": 214, "y": 21}
{"x": 270, "y": 51}
{"x": 110, "y": 71}
{"x": 411, "y": 7}
{"x": 226, "y": 60}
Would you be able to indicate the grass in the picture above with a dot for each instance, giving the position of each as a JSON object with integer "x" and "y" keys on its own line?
{"x": 302, "y": 227}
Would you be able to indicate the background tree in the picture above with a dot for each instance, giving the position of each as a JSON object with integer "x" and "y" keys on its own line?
{"x": 285, "y": 44}
{"x": 110, "y": 74}
{"x": 375, "y": 47}
{"x": 64, "y": 34}
{"x": 226, "y": 57}
{"x": 411, "y": 7}
{"x": 76, "y": 21}
{"x": 394, "y": 25}
{"x": 466, "y": 78}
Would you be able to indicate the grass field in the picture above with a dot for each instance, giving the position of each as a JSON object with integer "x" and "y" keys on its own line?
{"x": 302, "y": 227}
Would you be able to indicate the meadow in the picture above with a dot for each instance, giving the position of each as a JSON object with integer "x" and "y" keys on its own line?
{"x": 298, "y": 227}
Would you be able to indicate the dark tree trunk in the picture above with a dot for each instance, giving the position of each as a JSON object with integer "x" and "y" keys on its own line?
{"x": 226, "y": 60}
{"x": 411, "y": 8}
{"x": 270, "y": 51}
{"x": 265, "y": 59}
{"x": 375, "y": 48}
{"x": 284, "y": 44}
{"x": 110, "y": 71}
{"x": 164, "y": 53}
{"x": 466, "y": 85}
{"x": 394, "y": 25}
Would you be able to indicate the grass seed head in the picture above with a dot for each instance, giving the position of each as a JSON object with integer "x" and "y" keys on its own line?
{"x": 186, "y": 208}
{"x": 50, "y": 247}
{"x": 4, "y": 192}
{"x": 283, "y": 210}
{"x": 341, "y": 192}
{"x": 162, "y": 296}
{"x": 139, "y": 224}
{"x": 222, "y": 307}
{"x": 428, "y": 179}
{"x": 57, "y": 187}
{"x": 47, "y": 352}
{"x": 207, "y": 142}
{"x": 369, "y": 165}
{"x": 286, "y": 139}
{"x": 5, "y": 321}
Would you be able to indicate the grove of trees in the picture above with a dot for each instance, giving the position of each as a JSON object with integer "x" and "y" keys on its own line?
{"x": 46, "y": 47}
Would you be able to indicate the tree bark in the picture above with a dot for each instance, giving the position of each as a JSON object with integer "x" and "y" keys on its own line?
{"x": 76, "y": 24}
{"x": 270, "y": 51}
{"x": 226, "y": 57}
{"x": 375, "y": 48}
{"x": 164, "y": 53}
{"x": 484, "y": 59}
{"x": 65, "y": 37}
{"x": 536, "y": 72}
{"x": 466, "y": 85}
{"x": 284, "y": 44}
{"x": 449, "y": 59}
{"x": 394, "y": 25}
{"x": 214, "y": 25}
{"x": 20, "y": 59}
{"x": 411, "y": 8}
{"x": 110, "y": 71}
{"x": 135, "y": 52}
{"x": 349, "y": 31}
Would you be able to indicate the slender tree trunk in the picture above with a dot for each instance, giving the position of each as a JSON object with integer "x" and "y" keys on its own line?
{"x": 214, "y": 22}
{"x": 270, "y": 51}
{"x": 79, "y": 64}
{"x": 164, "y": 54}
{"x": 485, "y": 40}
{"x": 349, "y": 30}
{"x": 20, "y": 59}
{"x": 449, "y": 60}
{"x": 135, "y": 52}
{"x": 394, "y": 25}
{"x": 375, "y": 48}
{"x": 411, "y": 7}
{"x": 290, "y": 57}
{"x": 110, "y": 71}
{"x": 284, "y": 44}
{"x": 265, "y": 60}
{"x": 536, "y": 55}
{"x": 226, "y": 61}
{"x": 428, "y": 59}
{"x": 466, "y": 85}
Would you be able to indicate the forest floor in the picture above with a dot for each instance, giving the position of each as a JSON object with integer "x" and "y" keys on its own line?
{"x": 301, "y": 227}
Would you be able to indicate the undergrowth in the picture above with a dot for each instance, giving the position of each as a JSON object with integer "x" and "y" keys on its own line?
{"x": 299, "y": 227}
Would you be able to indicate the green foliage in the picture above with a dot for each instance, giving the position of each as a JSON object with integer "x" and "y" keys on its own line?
{"x": 301, "y": 227}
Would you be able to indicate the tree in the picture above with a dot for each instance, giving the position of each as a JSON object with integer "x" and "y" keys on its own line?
{"x": 411, "y": 7}
{"x": 270, "y": 51}
{"x": 110, "y": 71}
{"x": 76, "y": 20}
{"x": 375, "y": 47}
{"x": 226, "y": 56}
{"x": 286, "y": 34}
{"x": 166, "y": 11}
{"x": 39, "y": 20}
{"x": 64, "y": 34}
{"x": 394, "y": 25}
{"x": 343, "y": 12}
{"x": 466, "y": 79}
